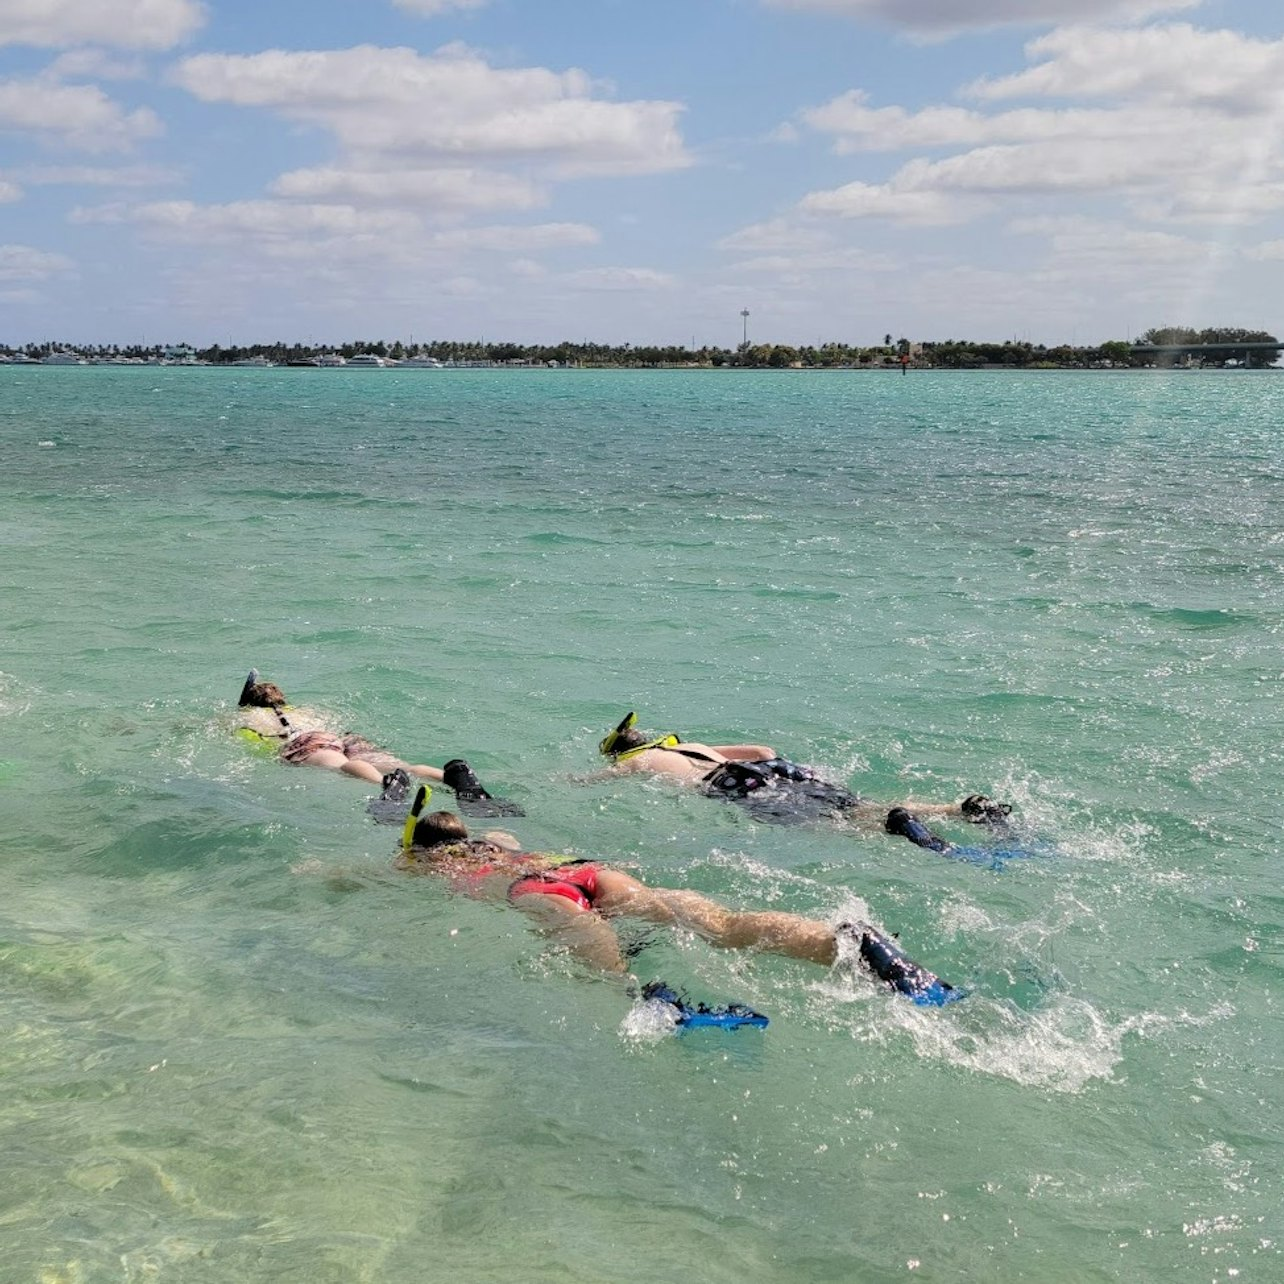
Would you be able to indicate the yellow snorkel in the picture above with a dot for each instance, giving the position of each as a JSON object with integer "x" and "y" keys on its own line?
{"x": 416, "y": 807}
{"x": 609, "y": 746}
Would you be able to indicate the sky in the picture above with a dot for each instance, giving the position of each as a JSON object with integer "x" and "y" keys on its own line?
{"x": 511, "y": 170}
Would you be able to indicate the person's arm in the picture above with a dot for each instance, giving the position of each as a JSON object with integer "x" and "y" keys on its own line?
{"x": 745, "y": 753}
{"x": 976, "y": 808}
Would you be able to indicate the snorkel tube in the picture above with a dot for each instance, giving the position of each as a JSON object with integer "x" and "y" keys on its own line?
{"x": 615, "y": 744}
{"x": 609, "y": 747}
{"x": 416, "y": 807}
{"x": 250, "y": 683}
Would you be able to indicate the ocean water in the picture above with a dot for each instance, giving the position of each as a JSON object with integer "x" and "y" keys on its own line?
{"x": 239, "y": 1046}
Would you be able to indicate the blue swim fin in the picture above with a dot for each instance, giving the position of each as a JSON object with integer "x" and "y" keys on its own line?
{"x": 692, "y": 1016}
{"x": 907, "y": 825}
{"x": 880, "y": 955}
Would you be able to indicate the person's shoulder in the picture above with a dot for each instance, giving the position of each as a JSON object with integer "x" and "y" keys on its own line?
{"x": 263, "y": 722}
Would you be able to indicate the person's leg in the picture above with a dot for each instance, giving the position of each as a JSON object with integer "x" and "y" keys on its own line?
{"x": 788, "y": 934}
{"x": 336, "y": 760}
{"x": 425, "y": 773}
{"x": 587, "y": 935}
{"x": 362, "y": 770}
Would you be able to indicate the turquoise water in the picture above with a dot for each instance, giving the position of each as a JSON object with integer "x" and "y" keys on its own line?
{"x": 240, "y": 1046}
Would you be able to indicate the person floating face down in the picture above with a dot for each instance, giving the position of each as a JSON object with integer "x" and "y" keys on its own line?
{"x": 776, "y": 789}
{"x": 305, "y": 741}
{"x": 576, "y": 900}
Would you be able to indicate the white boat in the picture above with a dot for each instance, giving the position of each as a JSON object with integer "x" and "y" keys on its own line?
{"x": 330, "y": 359}
{"x": 366, "y": 361}
{"x": 21, "y": 359}
{"x": 259, "y": 363}
{"x": 62, "y": 359}
{"x": 420, "y": 363}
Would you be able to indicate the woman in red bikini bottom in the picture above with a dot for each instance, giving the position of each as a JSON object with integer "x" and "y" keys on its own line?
{"x": 576, "y": 899}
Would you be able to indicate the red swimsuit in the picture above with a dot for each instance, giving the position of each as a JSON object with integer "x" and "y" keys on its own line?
{"x": 577, "y": 882}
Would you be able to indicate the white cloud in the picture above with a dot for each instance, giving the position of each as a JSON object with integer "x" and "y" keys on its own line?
{"x": 450, "y": 106}
{"x": 798, "y": 267}
{"x": 1190, "y": 128}
{"x": 619, "y": 278}
{"x": 124, "y": 24}
{"x": 527, "y": 269}
{"x": 286, "y": 230}
{"x": 902, "y": 204}
{"x": 9, "y": 192}
{"x": 948, "y": 16}
{"x": 79, "y": 116}
{"x": 439, "y": 190}
{"x": 798, "y": 251}
{"x": 1266, "y": 252}
{"x": 1080, "y": 165}
{"x": 272, "y": 227}
{"x": 431, "y": 8}
{"x": 95, "y": 64}
{"x": 514, "y": 239}
{"x": 1175, "y": 65}
{"x": 99, "y": 176}
{"x": 22, "y": 263}
{"x": 775, "y": 235}
{"x": 860, "y": 128}
{"x": 1080, "y": 245}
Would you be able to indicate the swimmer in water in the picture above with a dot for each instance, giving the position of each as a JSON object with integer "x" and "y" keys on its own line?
{"x": 772, "y": 788}
{"x": 304, "y": 740}
{"x": 575, "y": 900}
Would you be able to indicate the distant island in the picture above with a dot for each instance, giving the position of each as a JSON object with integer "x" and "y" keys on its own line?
{"x": 1165, "y": 346}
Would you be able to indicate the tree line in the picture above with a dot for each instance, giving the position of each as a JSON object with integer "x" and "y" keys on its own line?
{"x": 1181, "y": 346}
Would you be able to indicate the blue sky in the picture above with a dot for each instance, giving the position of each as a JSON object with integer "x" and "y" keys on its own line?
{"x": 1050, "y": 170}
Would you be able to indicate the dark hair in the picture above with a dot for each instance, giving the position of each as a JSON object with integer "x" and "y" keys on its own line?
{"x": 262, "y": 695}
{"x": 630, "y": 739}
{"x": 437, "y": 828}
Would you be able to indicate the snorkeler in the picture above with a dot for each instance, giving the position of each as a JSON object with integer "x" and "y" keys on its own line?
{"x": 772, "y": 788}
{"x": 304, "y": 741}
{"x": 576, "y": 899}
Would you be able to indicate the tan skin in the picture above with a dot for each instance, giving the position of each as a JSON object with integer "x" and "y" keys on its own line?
{"x": 259, "y": 713}
{"x": 677, "y": 766}
{"x": 487, "y": 869}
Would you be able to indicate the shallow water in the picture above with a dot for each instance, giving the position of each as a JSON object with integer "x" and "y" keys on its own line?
{"x": 240, "y": 1046}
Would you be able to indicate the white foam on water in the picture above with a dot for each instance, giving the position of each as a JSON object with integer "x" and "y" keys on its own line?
{"x": 1061, "y": 1048}
{"x": 649, "y": 1021}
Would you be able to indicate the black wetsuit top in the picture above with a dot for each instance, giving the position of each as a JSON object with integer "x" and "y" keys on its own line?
{"x": 777, "y": 791}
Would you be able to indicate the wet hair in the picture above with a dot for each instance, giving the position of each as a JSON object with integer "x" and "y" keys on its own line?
{"x": 262, "y": 695}
{"x": 437, "y": 828}
{"x": 630, "y": 739}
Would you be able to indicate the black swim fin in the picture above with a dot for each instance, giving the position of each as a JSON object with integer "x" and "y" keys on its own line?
{"x": 393, "y": 803}
{"x": 474, "y": 798}
{"x": 907, "y": 825}
{"x": 878, "y": 953}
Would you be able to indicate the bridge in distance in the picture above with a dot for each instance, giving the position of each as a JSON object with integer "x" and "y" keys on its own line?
{"x": 1196, "y": 349}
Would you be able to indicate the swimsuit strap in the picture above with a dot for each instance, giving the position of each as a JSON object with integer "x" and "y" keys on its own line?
{"x": 287, "y": 732}
{"x": 667, "y": 741}
{"x": 694, "y": 754}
